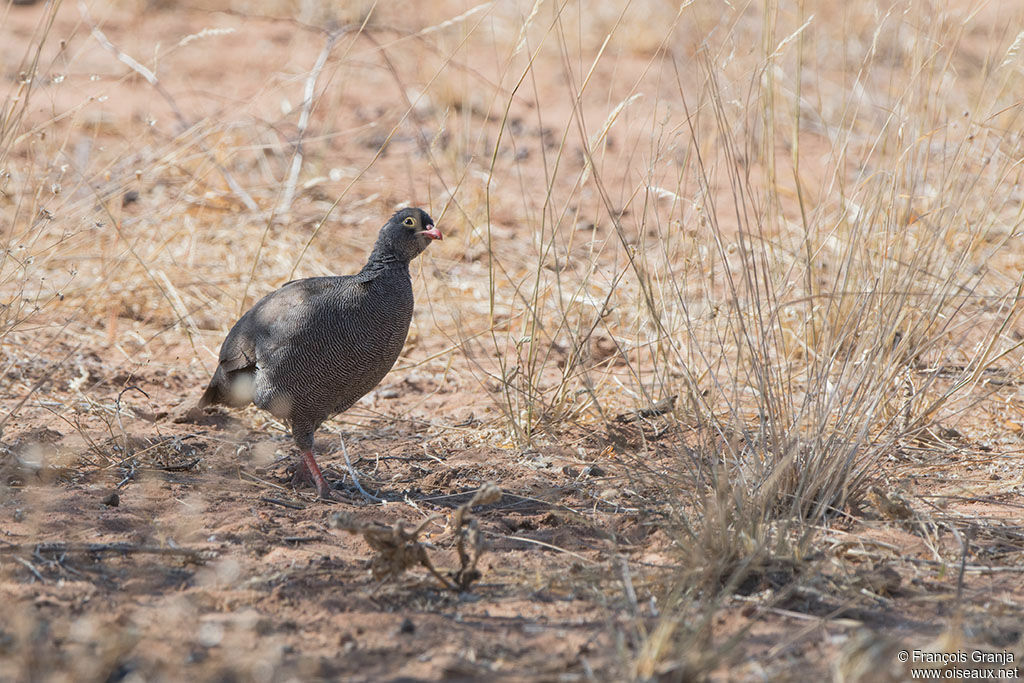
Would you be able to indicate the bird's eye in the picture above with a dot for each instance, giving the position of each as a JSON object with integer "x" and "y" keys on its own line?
{"x": 409, "y": 222}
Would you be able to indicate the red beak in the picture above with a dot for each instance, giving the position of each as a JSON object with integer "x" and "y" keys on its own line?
{"x": 433, "y": 233}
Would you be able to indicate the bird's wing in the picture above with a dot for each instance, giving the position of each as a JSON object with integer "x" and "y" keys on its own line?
{"x": 276, "y": 320}
{"x": 237, "y": 354}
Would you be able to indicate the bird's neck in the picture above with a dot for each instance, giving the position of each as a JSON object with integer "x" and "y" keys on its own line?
{"x": 383, "y": 258}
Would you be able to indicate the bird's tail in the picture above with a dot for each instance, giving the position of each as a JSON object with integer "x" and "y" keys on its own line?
{"x": 212, "y": 394}
{"x": 209, "y": 397}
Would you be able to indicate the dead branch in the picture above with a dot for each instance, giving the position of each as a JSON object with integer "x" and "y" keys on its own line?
{"x": 283, "y": 503}
{"x": 307, "y": 106}
{"x": 399, "y": 548}
{"x": 467, "y": 533}
{"x": 38, "y": 549}
{"x": 661, "y": 407}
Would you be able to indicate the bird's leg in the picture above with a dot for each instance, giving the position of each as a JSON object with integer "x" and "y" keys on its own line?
{"x": 310, "y": 469}
{"x": 352, "y": 473}
{"x": 307, "y": 470}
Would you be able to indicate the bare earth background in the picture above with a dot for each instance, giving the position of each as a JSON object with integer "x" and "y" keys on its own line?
{"x": 587, "y": 166}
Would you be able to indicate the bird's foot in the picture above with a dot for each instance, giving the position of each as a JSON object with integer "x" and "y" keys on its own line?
{"x": 301, "y": 478}
{"x": 325, "y": 491}
{"x": 307, "y": 473}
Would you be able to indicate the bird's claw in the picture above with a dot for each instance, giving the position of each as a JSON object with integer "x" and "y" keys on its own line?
{"x": 327, "y": 493}
{"x": 308, "y": 473}
{"x": 303, "y": 478}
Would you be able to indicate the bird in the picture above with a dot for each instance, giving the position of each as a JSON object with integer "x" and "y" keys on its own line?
{"x": 314, "y": 347}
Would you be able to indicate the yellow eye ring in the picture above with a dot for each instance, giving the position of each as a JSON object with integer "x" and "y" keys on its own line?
{"x": 409, "y": 222}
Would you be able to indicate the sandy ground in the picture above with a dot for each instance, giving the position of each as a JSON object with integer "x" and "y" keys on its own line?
{"x": 134, "y": 547}
{"x": 183, "y": 551}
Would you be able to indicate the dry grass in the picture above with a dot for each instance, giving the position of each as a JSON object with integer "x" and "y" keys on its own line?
{"x": 801, "y": 219}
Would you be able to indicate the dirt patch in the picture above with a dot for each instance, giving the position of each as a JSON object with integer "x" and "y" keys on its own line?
{"x": 206, "y": 563}
{"x": 134, "y": 546}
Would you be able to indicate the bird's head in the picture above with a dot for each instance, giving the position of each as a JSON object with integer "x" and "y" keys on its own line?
{"x": 408, "y": 233}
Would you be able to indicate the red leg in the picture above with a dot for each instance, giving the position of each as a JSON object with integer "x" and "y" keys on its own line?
{"x": 309, "y": 463}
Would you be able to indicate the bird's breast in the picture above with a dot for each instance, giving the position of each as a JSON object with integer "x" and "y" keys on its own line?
{"x": 354, "y": 347}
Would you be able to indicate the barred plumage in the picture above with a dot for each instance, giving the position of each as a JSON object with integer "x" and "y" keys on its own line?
{"x": 316, "y": 346}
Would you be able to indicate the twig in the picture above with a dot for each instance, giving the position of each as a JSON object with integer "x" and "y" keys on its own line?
{"x": 252, "y": 478}
{"x": 59, "y": 562}
{"x": 307, "y": 106}
{"x": 179, "y": 468}
{"x": 965, "y": 543}
{"x": 46, "y": 376}
{"x": 117, "y": 414}
{"x": 542, "y": 544}
{"x": 151, "y": 78}
{"x": 468, "y": 534}
{"x": 283, "y": 503}
{"x": 627, "y": 584}
{"x": 352, "y": 473}
{"x": 661, "y": 407}
{"x": 31, "y": 568}
{"x": 128, "y": 477}
{"x": 95, "y": 548}
{"x": 399, "y": 549}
